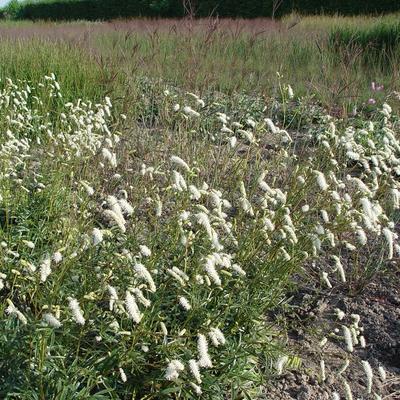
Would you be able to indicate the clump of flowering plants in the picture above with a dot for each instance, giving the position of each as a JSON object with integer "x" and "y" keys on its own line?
{"x": 142, "y": 264}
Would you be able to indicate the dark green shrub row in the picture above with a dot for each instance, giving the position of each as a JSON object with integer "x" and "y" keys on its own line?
{"x": 256, "y": 8}
{"x": 96, "y": 9}
{"x": 109, "y": 9}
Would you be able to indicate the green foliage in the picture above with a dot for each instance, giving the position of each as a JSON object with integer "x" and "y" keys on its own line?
{"x": 382, "y": 37}
{"x": 345, "y": 7}
{"x": 12, "y": 9}
{"x": 99, "y": 9}
{"x": 109, "y": 9}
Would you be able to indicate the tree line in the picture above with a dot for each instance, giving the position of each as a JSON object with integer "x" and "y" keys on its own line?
{"x": 110, "y": 9}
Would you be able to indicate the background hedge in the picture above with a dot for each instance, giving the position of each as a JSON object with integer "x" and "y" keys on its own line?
{"x": 109, "y": 9}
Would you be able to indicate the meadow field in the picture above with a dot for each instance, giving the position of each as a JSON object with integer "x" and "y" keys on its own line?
{"x": 213, "y": 55}
{"x": 200, "y": 209}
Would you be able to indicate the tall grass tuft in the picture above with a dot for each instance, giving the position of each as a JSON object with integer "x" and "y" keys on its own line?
{"x": 382, "y": 37}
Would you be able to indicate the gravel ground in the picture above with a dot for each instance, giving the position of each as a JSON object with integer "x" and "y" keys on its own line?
{"x": 378, "y": 306}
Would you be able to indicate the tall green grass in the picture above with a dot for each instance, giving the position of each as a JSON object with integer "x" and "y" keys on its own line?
{"x": 31, "y": 59}
{"x": 377, "y": 39}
